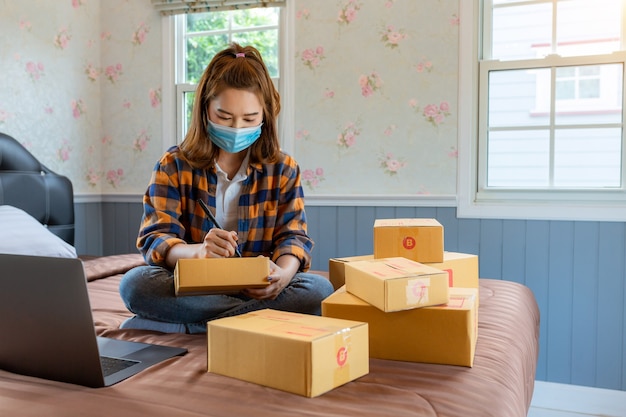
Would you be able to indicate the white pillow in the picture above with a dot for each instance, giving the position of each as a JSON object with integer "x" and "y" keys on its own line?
{"x": 22, "y": 234}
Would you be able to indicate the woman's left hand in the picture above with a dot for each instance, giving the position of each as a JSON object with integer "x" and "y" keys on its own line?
{"x": 280, "y": 276}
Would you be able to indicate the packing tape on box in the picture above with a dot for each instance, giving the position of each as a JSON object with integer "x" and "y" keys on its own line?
{"x": 417, "y": 291}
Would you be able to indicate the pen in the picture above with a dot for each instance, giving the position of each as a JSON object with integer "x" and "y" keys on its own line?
{"x": 214, "y": 220}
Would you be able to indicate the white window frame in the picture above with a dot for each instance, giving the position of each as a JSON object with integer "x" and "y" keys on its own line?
{"x": 173, "y": 92}
{"x": 592, "y": 205}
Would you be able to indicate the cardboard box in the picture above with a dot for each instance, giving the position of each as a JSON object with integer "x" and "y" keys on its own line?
{"x": 220, "y": 275}
{"x": 418, "y": 239}
{"x": 394, "y": 284}
{"x": 462, "y": 269}
{"x": 337, "y": 269}
{"x": 441, "y": 334}
{"x": 299, "y": 353}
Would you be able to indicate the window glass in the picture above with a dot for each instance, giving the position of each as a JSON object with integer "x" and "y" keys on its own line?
{"x": 519, "y": 158}
{"x": 208, "y": 33}
{"x": 519, "y": 97}
{"x": 524, "y": 29}
{"x": 580, "y": 162}
{"x": 552, "y": 106}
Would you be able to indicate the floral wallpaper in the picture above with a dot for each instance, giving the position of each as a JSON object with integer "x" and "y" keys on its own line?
{"x": 81, "y": 88}
{"x": 375, "y": 92}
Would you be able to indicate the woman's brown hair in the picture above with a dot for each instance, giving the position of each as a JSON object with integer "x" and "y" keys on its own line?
{"x": 241, "y": 68}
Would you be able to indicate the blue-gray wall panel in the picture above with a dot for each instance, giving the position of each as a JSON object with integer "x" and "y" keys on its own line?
{"x": 346, "y": 231}
{"x": 584, "y": 300}
{"x": 537, "y": 261}
{"x": 88, "y": 232}
{"x": 559, "y": 321}
{"x": 514, "y": 250}
{"x": 490, "y": 249}
{"x": 469, "y": 237}
{"x": 365, "y": 217}
{"x": 447, "y": 217}
{"x": 610, "y": 323}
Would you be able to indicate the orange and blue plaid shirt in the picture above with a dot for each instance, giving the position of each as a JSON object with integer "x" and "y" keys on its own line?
{"x": 271, "y": 216}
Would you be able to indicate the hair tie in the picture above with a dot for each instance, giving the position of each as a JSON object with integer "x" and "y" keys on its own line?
{"x": 240, "y": 55}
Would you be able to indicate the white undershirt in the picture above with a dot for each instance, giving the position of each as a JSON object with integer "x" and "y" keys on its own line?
{"x": 227, "y": 195}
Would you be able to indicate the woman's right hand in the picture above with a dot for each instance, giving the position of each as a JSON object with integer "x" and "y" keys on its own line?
{"x": 218, "y": 243}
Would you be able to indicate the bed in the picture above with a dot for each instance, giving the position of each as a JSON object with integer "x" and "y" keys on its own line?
{"x": 499, "y": 384}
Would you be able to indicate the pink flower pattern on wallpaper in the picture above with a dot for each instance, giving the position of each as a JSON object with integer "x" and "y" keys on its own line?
{"x": 78, "y": 108}
{"x": 389, "y": 130}
{"x": 303, "y": 14}
{"x": 93, "y": 178}
{"x": 424, "y": 65}
{"x": 34, "y": 70}
{"x": 139, "y": 36}
{"x": 436, "y": 114}
{"x": 392, "y": 37}
{"x": 106, "y": 140}
{"x": 4, "y": 115}
{"x": 113, "y": 72}
{"x": 25, "y": 25}
{"x": 155, "y": 97}
{"x": 63, "y": 153}
{"x": 92, "y": 72}
{"x": 348, "y": 12}
{"x": 115, "y": 176}
{"x": 312, "y": 178}
{"x": 390, "y": 164}
{"x": 77, "y": 3}
{"x": 303, "y": 134}
{"x": 312, "y": 57}
{"x": 347, "y": 138}
{"x": 62, "y": 38}
{"x": 141, "y": 142}
{"x": 370, "y": 84}
{"x": 414, "y": 104}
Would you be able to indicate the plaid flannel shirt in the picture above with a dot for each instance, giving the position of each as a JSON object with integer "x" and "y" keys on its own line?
{"x": 271, "y": 217}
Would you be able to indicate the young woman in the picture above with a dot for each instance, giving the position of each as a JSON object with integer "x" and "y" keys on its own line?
{"x": 231, "y": 160}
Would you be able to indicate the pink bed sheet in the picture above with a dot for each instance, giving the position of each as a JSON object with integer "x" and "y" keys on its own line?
{"x": 500, "y": 384}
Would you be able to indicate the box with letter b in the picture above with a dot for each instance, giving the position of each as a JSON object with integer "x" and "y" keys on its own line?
{"x": 420, "y": 240}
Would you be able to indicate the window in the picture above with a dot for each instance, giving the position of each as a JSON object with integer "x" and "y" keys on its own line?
{"x": 548, "y": 89}
{"x": 199, "y": 36}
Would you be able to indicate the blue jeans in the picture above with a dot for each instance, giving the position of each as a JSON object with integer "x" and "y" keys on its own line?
{"x": 148, "y": 292}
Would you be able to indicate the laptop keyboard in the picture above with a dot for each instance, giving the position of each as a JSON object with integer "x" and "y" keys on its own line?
{"x": 113, "y": 365}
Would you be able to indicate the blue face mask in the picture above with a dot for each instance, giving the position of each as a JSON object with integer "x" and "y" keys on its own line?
{"x": 232, "y": 139}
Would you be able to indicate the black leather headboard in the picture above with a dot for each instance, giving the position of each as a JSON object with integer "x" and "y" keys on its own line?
{"x": 29, "y": 185}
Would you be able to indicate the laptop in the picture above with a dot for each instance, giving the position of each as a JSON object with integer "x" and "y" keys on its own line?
{"x": 47, "y": 328}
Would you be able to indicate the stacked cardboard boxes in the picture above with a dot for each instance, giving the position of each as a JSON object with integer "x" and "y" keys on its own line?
{"x": 421, "y": 303}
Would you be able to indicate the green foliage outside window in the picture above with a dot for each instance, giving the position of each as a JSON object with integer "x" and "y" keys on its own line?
{"x": 208, "y": 33}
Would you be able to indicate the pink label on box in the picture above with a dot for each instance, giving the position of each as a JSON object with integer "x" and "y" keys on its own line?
{"x": 417, "y": 291}
{"x": 456, "y": 302}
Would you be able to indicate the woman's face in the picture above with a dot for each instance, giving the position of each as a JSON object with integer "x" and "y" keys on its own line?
{"x": 236, "y": 108}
